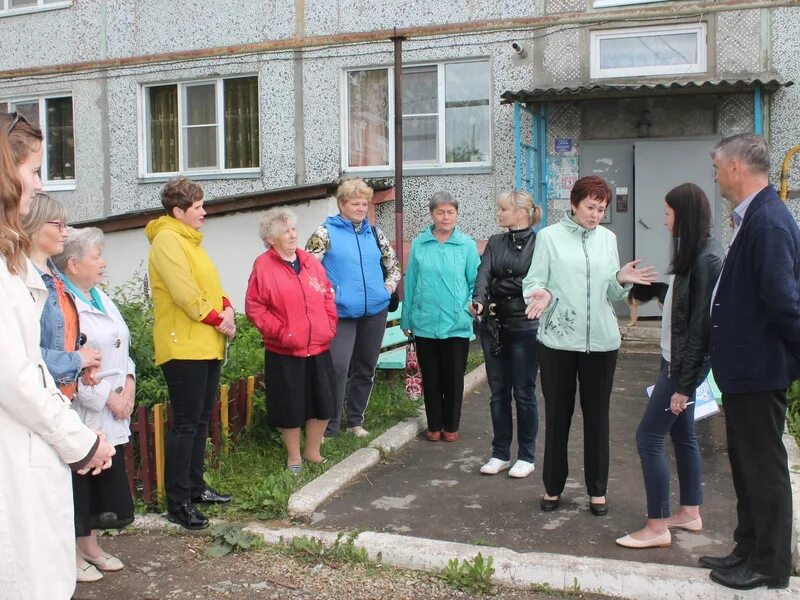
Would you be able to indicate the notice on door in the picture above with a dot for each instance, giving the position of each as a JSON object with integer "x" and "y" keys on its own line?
{"x": 562, "y": 173}
{"x": 622, "y": 199}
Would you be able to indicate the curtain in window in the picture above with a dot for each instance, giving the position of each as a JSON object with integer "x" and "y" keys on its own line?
{"x": 163, "y": 101}
{"x": 241, "y": 123}
{"x": 368, "y": 118}
{"x": 467, "y": 112}
{"x": 60, "y": 140}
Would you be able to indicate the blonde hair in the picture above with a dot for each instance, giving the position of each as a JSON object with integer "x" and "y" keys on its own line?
{"x": 280, "y": 216}
{"x": 353, "y": 188}
{"x": 524, "y": 200}
{"x": 43, "y": 209}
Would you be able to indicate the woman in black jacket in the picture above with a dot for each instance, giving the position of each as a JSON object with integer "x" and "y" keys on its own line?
{"x": 508, "y": 337}
{"x": 696, "y": 263}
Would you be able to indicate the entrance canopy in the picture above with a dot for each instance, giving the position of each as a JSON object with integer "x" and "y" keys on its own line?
{"x": 767, "y": 82}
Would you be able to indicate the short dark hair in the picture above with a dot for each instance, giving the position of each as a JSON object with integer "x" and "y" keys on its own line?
{"x": 691, "y": 227}
{"x": 180, "y": 192}
{"x": 590, "y": 186}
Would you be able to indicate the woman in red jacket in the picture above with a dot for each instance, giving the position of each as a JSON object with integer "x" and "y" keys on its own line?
{"x": 290, "y": 301}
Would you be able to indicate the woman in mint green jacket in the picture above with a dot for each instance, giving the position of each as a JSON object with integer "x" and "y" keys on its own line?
{"x": 573, "y": 279}
{"x": 440, "y": 279}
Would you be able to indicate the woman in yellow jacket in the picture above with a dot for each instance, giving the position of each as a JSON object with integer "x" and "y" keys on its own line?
{"x": 193, "y": 318}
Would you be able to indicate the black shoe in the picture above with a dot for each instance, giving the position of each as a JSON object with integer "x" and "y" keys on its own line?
{"x": 188, "y": 516}
{"x": 549, "y": 505}
{"x": 211, "y": 496}
{"x": 721, "y": 562}
{"x": 598, "y": 509}
{"x": 743, "y": 577}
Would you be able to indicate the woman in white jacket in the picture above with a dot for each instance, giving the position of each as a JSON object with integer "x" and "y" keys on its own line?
{"x": 41, "y": 435}
{"x": 103, "y": 502}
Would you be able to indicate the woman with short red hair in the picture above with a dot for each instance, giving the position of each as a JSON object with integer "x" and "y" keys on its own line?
{"x": 573, "y": 278}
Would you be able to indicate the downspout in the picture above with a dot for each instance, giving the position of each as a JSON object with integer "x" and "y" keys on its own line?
{"x": 398, "y": 152}
{"x": 758, "y": 111}
{"x": 517, "y": 146}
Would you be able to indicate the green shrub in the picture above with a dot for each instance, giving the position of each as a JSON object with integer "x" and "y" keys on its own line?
{"x": 793, "y": 410}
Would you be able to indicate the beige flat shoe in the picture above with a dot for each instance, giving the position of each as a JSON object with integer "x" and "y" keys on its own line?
{"x": 86, "y": 572}
{"x": 693, "y": 525}
{"x": 660, "y": 541}
{"x": 104, "y": 562}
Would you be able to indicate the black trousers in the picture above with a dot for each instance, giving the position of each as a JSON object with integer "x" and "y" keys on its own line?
{"x": 754, "y": 424}
{"x": 192, "y": 386}
{"x": 594, "y": 371}
{"x": 443, "y": 364}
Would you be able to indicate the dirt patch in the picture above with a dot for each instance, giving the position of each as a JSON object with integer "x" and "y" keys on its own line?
{"x": 165, "y": 565}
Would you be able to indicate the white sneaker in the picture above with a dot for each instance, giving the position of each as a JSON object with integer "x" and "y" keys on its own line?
{"x": 494, "y": 466}
{"x": 358, "y": 431}
{"x": 521, "y": 469}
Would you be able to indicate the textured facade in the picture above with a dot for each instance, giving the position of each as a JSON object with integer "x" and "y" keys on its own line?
{"x": 300, "y": 90}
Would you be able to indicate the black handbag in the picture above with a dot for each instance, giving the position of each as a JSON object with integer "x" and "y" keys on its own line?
{"x": 394, "y": 298}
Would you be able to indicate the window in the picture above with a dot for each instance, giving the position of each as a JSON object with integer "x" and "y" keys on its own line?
{"x": 670, "y": 50}
{"x": 13, "y": 7}
{"x": 609, "y": 3}
{"x": 53, "y": 115}
{"x": 446, "y": 116}
{"x": 202, "y": 127}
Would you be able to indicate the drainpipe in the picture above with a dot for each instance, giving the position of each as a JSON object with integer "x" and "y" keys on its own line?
{"x": 398, "y": 150}
{"x": 758, "y": 115}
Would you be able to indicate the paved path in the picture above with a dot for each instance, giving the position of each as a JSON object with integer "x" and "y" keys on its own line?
{"x": 435, "y": 490}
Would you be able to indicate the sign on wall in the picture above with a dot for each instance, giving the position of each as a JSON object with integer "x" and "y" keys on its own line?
{"x": 562, "y": 145}
{"x": 562, "y": 173}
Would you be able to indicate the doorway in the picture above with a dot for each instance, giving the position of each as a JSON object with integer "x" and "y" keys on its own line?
{"x": 640, "y": 173}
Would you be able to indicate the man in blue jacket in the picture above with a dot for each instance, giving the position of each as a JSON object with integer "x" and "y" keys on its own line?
{"x": 755, "y": 354}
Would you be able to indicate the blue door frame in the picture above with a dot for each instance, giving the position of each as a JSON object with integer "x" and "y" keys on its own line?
{"x": 530, "y": 159}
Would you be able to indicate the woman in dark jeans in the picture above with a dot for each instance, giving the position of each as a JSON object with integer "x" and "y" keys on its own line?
{"x": 696, "y": 263}
{"x": 508, "y": 337}
{"x": 193, "y": 321}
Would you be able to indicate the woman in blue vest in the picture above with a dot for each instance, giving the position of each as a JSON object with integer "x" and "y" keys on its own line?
{"x": 439, "y": 283}
{"x": 363, "y": 269}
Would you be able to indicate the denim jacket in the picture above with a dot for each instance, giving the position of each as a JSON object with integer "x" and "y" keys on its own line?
{"x": 64, "y": 365}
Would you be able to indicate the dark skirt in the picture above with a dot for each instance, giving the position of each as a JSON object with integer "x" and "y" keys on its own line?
{"x": 298, "y": 389}
{"x": 103, "y": 501}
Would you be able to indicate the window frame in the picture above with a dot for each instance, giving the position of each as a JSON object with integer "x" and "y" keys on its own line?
{"x": 55, "y": 185}
{"x": 598, "y": 35}
{"x": 415, "y": 167}
{"x": 41, "y": 6}
{"x": 219, "y": 171}
{"x": 614, "y": 3}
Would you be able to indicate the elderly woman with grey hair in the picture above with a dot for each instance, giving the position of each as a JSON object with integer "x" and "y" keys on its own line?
{"x": 439, "y": 283}
{"x": 102, "y": 502}
{"x": 289, "y": 299}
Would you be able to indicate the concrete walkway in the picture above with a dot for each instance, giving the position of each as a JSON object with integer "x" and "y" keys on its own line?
{"x": 434, "y": 490}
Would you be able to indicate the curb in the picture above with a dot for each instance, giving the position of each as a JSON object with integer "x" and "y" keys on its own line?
{"x": 624, "y": 579}
{"x": 305, "y": 501}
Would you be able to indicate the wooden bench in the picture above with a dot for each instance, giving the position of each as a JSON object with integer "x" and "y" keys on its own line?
{"x": 395, "y": 343}
{"x": 393, "y": 347}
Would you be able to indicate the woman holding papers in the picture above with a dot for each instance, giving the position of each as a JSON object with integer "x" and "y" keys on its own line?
{"x": 695, "y": 266}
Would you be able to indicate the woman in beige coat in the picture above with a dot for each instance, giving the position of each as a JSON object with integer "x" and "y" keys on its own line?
{"x": 40, "y": 434}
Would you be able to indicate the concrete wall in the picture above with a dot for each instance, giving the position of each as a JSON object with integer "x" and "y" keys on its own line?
{"x": 232, "y": 241}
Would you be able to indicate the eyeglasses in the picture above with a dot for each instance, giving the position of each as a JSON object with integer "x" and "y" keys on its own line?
{"x": 60, "y": 224}
{"x": 18, "y": 116}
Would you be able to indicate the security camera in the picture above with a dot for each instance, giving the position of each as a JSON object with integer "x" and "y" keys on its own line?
{"x": 519, "y": 50}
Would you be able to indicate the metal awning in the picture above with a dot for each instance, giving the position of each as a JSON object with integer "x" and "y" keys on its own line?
{"x": 768, "y": 82}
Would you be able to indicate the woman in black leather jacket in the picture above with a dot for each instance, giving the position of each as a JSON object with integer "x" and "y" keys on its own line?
{"x": 508, "y": 337}
{"x": 696, "y": 263}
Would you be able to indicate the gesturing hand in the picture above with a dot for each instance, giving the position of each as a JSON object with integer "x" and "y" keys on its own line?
{"x": 630, "y": 274}
{"x": 538, "y": 300}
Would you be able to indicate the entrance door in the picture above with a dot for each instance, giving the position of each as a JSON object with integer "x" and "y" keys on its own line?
{"x": 659, "y": 167}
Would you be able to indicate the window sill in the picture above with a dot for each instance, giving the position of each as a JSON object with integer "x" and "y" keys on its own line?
{"x": 13, "y": 12}
{"x": 60, "y": 186}
{"x": 201, "y": 176}
{"x": 421, "y": 171}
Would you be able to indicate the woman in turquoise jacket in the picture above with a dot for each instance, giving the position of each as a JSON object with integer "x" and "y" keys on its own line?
{"x": 440, "y": 279}
{"x": 573, "y": 279}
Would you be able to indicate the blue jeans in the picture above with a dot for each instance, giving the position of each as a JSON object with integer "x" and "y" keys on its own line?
{"x": 656, "y": 422}
{"x": 514, "y": 369}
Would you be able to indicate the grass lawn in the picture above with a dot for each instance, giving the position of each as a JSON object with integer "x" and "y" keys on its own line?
{"x": 255, "y": 470}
